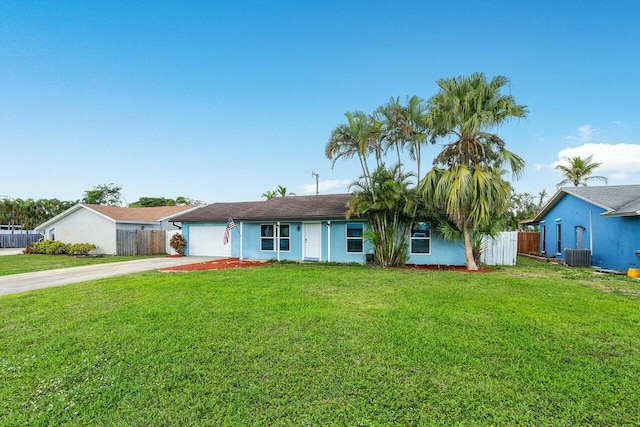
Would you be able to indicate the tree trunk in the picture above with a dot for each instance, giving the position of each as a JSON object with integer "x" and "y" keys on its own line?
{"x": 468, "y": 250}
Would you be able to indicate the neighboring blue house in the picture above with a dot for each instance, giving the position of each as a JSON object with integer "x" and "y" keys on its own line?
{"x": 300, "y": 228}
{"x": 604, "y": 219}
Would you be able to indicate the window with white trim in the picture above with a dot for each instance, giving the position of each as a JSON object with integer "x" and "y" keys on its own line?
{"x": 421, "y": 238}
{"x": 355, "y": 232}
{"x": 285, "y": 237}
{"x": 270, "y": 232}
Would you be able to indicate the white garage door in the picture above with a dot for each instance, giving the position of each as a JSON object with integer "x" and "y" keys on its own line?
{"x": 207, "y": 241}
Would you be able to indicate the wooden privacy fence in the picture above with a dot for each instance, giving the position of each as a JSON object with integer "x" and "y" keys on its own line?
{"x": 140, "y": 242}
{"x": 528, "y": 242}
{"x": 501, "y": 250}
{"x": 19, "y": 240}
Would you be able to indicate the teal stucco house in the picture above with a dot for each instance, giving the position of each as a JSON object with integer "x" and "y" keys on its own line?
{"x": 300, "y": 228}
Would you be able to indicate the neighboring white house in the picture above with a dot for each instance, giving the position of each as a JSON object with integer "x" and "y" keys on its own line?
{"x": 97, "y": 224}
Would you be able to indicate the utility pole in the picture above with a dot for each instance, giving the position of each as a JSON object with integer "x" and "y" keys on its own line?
{"x": 316, "y": 175}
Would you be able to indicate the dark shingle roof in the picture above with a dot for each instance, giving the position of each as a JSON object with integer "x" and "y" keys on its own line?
{"x": 326, "y": 206}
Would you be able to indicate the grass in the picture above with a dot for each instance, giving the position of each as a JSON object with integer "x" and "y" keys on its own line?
{"x": 16, "y": 264}
{"x": 325, "y": 345}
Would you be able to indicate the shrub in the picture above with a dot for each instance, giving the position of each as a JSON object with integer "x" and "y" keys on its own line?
{"x": 81, "y": 248}
{"x": 178, "y": 243}
{"x": 50, "y": 247}
{"x": 55, "y": 247}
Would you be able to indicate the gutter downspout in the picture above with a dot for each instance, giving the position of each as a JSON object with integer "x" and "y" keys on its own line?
{"x": 591, "y": 233}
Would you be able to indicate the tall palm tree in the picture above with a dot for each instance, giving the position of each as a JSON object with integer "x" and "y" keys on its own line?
{"x": 466, "y": 108}
{"x": 467, "y": 181}
{"x": 414, "y": 129}
{"x": 579, "y": 171}
{"x": 360, "y": 137}
{"x": 405, "y": 127}
{"x": 470, "y": 197}
{"x": 391, "y": 115}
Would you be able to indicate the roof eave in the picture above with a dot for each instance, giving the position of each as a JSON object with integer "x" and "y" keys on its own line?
{"x": 129, "y": 221}
{"x": 617, "y": 214}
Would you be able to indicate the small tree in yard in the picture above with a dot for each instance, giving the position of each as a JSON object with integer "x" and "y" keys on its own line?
{"x": 178, "y": 243}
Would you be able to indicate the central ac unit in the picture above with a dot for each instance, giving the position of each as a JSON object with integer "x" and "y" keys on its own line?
{"x": 577, "y": 257}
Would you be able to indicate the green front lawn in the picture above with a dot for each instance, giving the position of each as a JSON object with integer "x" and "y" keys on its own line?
{"x": 15, "y": 264}
{"x": 325, "y": 345}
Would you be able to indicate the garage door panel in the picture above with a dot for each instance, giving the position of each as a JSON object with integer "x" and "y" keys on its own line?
{"x": 207, "y": 241}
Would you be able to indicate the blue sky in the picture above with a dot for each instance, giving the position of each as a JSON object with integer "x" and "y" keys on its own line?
{"x": 221, "y": 101}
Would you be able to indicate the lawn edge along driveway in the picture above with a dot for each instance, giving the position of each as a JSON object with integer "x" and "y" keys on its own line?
{"x": 49, "y": 278}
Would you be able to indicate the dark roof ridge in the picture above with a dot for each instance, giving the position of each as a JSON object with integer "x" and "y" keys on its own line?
{"x": 324, "y": 206}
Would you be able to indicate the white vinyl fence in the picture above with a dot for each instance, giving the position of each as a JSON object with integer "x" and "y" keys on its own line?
{"x": 501, "y": 250}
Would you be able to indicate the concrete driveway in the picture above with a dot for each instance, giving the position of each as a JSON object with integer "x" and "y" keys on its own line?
{"x": 45, "y": 279}
{"x": 10, "y": 251}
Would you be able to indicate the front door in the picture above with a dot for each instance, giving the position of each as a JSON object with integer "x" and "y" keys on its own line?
{"x": 312, "y": 240}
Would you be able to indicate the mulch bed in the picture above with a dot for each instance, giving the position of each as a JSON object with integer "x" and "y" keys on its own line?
{"x": 219, "y": 264}
{"x": 237, "y": 263}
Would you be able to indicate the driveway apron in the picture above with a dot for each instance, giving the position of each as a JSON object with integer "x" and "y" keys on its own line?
{"x": 45, "y": 279}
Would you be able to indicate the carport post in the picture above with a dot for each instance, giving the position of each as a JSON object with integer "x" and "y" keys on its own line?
{"x": 277, "y": 240}
{"x": 241, "y": 257}
{"x": 328, "y": 241}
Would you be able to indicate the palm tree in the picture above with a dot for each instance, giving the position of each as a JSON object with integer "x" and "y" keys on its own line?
{"x": 360, "y": 137}
{"x": 391, "y": 116}
{"x": 282, "y": 191}
{"x": 269, "y": 194}
{"x": 471, "y": 199}
{"x": 579, "y": 171}
{"x": 467, "y": 181}
{"x": 405, "y": 126}
{"x": 389, "y": 208}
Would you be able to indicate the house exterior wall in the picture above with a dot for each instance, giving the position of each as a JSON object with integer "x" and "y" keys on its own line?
{"x": 334, "y": 243}
{"x": 443, "y": 252}
{"x": 612, "y": 240}
{"x": 83, "y": 226}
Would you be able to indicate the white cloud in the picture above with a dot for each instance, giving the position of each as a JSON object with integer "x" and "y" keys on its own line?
{"x": 538, "y": 167}
{"x": 326, "y": 185}
{"x": 619, "y": 160}
{"x": 583, "y": 134}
